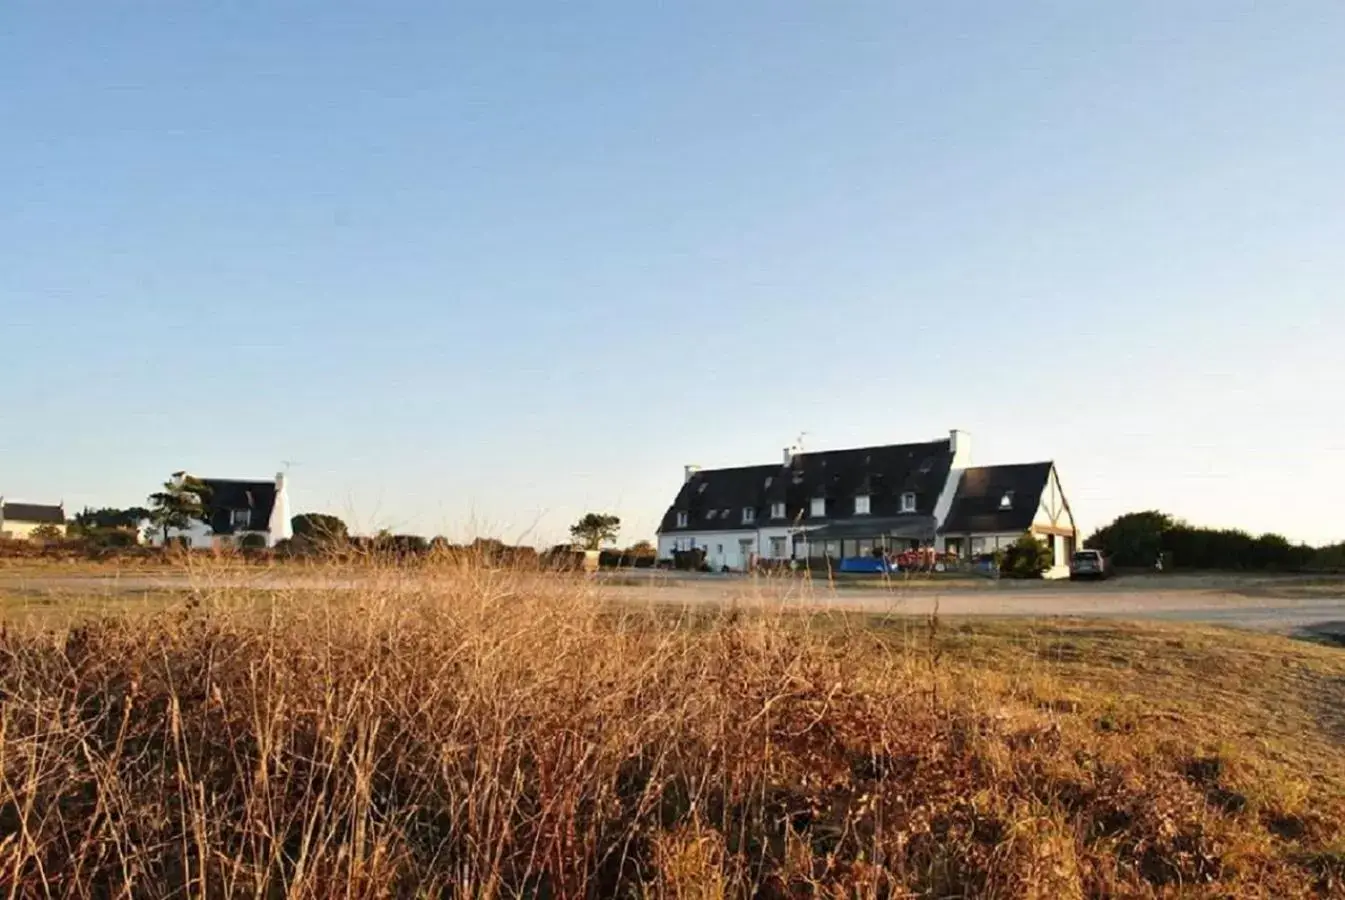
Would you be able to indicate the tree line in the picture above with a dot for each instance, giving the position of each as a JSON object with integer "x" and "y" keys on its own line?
{"x": 181, "y": 502}
{"x": 1143, "y": 539}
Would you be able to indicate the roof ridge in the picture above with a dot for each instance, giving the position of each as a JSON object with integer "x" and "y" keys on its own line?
{"x": 804, "y": 454}
{"x": 236, "y": 480}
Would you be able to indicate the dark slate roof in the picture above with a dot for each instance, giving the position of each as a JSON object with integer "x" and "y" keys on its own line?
{"x": 33, "y": 512}
{"x": 977, "y": 506}
{"x": 226, "y": 495}
{"x": 884, "y": 473}
{"x": 918, "y": 527}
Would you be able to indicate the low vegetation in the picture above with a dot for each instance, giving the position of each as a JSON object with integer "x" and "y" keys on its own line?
{"x": 477, "y": 733}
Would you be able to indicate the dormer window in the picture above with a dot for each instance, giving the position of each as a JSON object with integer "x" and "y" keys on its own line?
{"x": 240, "y": 518}
{"x": 681, "y": 519}
{"x": 749, "y": 515}
{"x": 862, "y": 504}
{"x": 1006, "y": 501}
{"x": 777, "y": 510}
{"x": 908, "y": 502}
{"x": 818, "y": 507}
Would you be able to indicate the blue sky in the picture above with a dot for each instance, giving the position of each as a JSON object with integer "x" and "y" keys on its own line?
{"x": 480, "y": 267}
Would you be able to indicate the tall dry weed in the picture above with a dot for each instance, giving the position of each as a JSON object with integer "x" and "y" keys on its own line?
{"x": 483, "y": 734}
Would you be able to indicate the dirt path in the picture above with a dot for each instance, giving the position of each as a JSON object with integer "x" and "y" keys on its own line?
{"x": 1288, "y": 605}
{"x": 1287, "y": 611}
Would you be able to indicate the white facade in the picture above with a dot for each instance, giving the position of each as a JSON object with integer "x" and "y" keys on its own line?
{"x": 735, "y": 549}
{"x": 196, "y": 535}
{"x": 19, "y": 530}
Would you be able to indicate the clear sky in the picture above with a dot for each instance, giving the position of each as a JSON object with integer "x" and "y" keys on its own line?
{"x": 482, "y": 266}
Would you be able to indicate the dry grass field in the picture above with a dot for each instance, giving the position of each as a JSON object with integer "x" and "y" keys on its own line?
{"x": 493, "y": 734}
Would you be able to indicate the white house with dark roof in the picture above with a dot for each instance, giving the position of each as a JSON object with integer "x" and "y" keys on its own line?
{"x": 234, "y": 508}
{"x": 845, "y": 503}
{"x": 994, "y": 505}
{"x": 18, "y": 521}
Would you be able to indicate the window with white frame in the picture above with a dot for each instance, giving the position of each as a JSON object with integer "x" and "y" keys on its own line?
{"x": 777, "y": 510}
{"x": 749, "y": 515}
{"x": 240, "y": 518}
{"x": 861, "y": 504}
{"x": 681, "y": 519}
{"x": 818, "y": 506}
{"x": 908, "y": 502}
{"x": 777, "y": 548}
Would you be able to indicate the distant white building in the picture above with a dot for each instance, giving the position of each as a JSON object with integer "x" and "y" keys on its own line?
{"x": 233, "y": 509}
{"x": 18, "y": 521}
{"x": 847, "y": 503}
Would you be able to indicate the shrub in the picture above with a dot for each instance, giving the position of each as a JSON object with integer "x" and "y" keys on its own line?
{"x": 110, "y": 538}
{"x": 252, "y": 541}
{"x": 319, "y": 528}
{"x": 47, "y": 534}
{"x": 1027, "y": 557}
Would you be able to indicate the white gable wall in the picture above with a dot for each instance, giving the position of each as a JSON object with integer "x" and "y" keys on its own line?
{"x": 1053, "y": 512}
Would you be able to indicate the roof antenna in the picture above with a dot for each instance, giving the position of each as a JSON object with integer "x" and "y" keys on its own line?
{"x": 288, "y": 463}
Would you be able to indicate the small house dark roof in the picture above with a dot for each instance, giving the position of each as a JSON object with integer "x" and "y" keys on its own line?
{"x": 33, "y": 512}
{"x": 835, "y": 476}
{"x": 225, "y": 496}
{"x": 979, "y": 505}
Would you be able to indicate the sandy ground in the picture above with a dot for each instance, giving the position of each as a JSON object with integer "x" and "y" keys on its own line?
{"x": 1294, "y": 605}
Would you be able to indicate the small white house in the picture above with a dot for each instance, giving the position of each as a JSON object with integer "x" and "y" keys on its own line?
{"x": 234, "y": 509}
{"x": 18, "y": 521}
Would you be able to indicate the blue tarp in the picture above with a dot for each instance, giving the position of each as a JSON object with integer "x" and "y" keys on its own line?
{"x": 865, "y": 564}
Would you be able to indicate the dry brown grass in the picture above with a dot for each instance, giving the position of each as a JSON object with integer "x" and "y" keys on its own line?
{"x": 495, "y": 734}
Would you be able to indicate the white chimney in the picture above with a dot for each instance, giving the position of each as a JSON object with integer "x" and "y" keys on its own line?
{"x": 688, "y": 472}
{"x": 959, "y": 444}
{"x": 789, "y": 456}
{"x": 279, "y": 526}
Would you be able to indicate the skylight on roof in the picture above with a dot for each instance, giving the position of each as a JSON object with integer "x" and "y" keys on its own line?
{"x": 1006, "y": 501}
{"x": 703, "y": 486}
